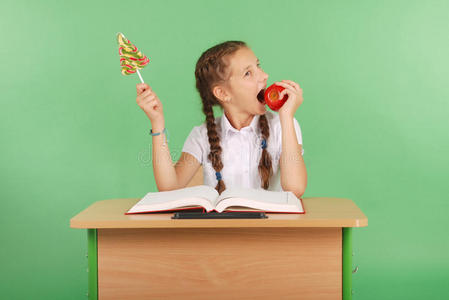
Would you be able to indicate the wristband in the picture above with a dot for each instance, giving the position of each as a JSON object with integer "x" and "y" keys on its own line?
{"x": 165, "y": 131}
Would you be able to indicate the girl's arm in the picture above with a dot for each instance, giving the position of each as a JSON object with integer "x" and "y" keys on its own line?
{"x": 167, "y": 176}
{"x": 293, "y": 168}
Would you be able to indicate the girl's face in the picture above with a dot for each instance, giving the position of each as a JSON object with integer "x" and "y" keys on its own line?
{"x": 246, "y": 80}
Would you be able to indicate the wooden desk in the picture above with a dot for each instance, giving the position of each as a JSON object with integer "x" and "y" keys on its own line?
{"x": 287, "y": 256}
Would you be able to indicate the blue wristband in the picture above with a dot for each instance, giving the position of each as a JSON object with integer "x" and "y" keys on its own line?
{"x": 165, "y": 131}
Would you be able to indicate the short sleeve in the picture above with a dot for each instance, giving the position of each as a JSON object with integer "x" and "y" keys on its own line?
{"x": 298, "y": 133}
{"x": 194, "y": 144}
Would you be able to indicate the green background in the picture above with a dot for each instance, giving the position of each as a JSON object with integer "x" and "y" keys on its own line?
{"x": 374, "y": 123}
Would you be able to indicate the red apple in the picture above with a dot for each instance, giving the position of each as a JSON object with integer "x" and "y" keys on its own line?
{"x": 272, "y": 97}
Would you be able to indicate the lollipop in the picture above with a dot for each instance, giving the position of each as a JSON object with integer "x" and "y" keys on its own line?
{"x": 131, "y": 60}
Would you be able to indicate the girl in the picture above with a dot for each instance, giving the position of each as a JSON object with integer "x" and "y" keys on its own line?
{"x": 247, "y": 146}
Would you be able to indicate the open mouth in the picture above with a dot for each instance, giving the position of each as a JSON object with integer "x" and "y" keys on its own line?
{"x": 260, "y": 96}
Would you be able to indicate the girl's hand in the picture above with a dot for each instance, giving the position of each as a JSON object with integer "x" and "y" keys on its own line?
{"x": 295, "y": 99}
{"x": 149, "y": 102}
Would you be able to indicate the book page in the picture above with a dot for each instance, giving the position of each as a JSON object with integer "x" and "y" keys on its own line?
{"x": 197, "y": 195}
{"x": 262, "y": 200}
{"x": 254, "y": 194}
{"x": 199, "y": 191}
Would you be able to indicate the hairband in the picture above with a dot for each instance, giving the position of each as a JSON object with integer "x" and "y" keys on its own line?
{"x": 218, "y": 174}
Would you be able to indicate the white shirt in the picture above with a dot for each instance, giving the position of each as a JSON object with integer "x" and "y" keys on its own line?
{"x": 241, "y": 151}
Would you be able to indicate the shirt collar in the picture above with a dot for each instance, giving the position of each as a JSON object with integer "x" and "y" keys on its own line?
{"x": 226, "y": 125}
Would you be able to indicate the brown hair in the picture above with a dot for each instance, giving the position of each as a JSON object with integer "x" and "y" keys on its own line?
{"x": 212, "y": 68}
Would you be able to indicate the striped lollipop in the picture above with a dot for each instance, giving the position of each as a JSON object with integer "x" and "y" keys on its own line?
{"x": 131, "y": 59}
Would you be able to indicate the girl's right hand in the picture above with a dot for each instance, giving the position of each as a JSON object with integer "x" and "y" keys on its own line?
{"x": 149, "y": 102}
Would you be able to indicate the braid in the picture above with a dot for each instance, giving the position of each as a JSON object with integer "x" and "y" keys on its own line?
{"x": 211, "y": 69}
{"x": 214, "y": 141}
{"x": 265, "y": 169}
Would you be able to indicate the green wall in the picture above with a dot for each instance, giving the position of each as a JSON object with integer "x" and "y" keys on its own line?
{"x": 375, "y": 80}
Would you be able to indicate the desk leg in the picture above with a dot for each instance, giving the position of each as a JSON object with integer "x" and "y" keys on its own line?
{"x": 92, "y": 264}
{"x": 347, "y": 263}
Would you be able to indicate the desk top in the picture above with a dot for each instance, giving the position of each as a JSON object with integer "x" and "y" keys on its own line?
{"x": 320, "y": 212}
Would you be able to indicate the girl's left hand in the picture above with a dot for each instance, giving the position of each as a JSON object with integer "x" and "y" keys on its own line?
{"x": 295, "y": 99}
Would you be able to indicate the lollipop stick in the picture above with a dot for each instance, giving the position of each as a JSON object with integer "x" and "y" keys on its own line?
{"x": 138, "y": 73}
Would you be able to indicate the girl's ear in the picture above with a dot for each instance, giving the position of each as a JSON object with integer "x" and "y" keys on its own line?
{"x": 221, "y": 94}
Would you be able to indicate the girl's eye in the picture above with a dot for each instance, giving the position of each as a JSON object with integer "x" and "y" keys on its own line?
{"x": 258, "y": 65}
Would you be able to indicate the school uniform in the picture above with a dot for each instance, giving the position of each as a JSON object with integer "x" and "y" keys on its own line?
{"x": 241, "y": 151}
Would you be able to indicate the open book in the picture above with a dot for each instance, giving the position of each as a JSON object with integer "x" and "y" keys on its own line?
{"x": 207, "y": 198}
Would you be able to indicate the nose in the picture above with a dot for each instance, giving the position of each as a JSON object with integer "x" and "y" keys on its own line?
{"x": 264, "y": 76}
